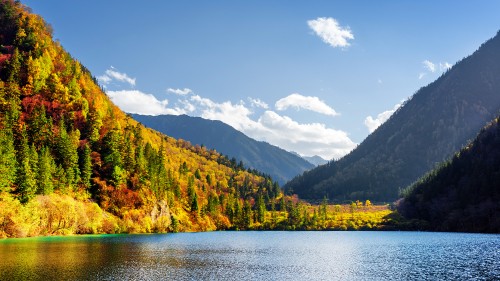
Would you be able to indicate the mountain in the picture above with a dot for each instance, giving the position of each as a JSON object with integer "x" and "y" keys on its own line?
{"x": 315, "y": 160}
{"x": 432, "y": 125}
{"x": 463, "y": 194}
{"x": 73, "y": 162}
{"x": 280, "y": 164}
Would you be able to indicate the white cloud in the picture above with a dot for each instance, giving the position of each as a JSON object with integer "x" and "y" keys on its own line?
{"x": 329, "y": 30}
{"x": 258, "y": 103}
{"x": 180, "y": 92}
{"x": 133, "y": 101}
{"x": 282, "y": 131}
{"x": 429, "y": 65}
{"x": 443, "y": 66}
{"x": 373, "y": 123}
{"x": 112, "y": 74}
{"x": 307, "y": 139}
{"x": 310, "y": 103}
{"x": 379, "y": 81}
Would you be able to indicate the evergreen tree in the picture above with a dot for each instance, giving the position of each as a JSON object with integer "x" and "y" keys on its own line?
{"x": 85, "y": 165}
{"x": 247, "y": 215}
{"x": 194, "y": 203}
{"x": 112, "y": 157}
{"x": 8, "y": 163}
{"x": 26, "y": 178}
{"x": 67, "y": 154}
{"x": 46, "y": 170}
{"x": 261, "y": 209}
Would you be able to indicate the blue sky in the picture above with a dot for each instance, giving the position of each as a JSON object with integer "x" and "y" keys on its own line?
{"x": 314, "y": 77}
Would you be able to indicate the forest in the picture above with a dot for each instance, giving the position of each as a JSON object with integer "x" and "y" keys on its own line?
{"x": 74, "y": 163}
{"x": 429, "y": 127}
{"x": 462, "y": 194}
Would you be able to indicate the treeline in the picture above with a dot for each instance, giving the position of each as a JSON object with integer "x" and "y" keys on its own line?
{"x": 463, "y": 194}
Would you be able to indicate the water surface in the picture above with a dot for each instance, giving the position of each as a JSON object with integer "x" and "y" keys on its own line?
{"x": 254, "y": 256}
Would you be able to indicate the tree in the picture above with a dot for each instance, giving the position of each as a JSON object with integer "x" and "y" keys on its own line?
{"x": 67, "y": 153}
{"x": 247, "y": 215}
{"x": 8, "y": 163}
{"x": 113, "y": 163}
{"x": 261, "y": 209}
{"x": 26, "y": 178}
{"x": 85, "y": 163}
{"x": 46, "y": 170}
{"x": 194, "y": 203}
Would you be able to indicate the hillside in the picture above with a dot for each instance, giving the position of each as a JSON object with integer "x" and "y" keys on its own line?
{"x": 73, "y": 162}
{"x": 315, "y": 160}
{"x": 463, "y": 194}
{"x": 433, "y": 124}
{"x": 281, "y": 165}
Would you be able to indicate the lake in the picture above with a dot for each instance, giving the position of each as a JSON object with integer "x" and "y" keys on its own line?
{"x": 254, "y": 256}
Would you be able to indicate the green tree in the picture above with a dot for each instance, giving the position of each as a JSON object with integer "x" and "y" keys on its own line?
{"x": 247, "y": 215}
{"x": 85, "y": 163}
{"x": 194, "y": 203}
{"x": 261, "y": 209}
{"x": 67, "y": 154}
{"x": 8, "y": 163}
{"x": 26, "y": 178}
{"x": 46, "y": 170}
{"x": 113, "y": 163}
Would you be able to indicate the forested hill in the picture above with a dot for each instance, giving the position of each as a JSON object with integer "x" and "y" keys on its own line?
{"x": 463, "y": 194}
{"x": 73, "y": 162}
{"x": 435, "y": 123}
{"x": 281, "y": 165}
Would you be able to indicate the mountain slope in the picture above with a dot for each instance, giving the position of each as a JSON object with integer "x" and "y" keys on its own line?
{"x": 315, "y": 160}
{"x": 281, "y": 165}
{"x": 73, "y": 162}
{"x": 437, "y": 121}
{"x": 463, "y": 194}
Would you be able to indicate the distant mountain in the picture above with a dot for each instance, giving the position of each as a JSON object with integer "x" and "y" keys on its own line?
{"x": 463, "y": 194}
{"x": 315, "y": 160}
{"x": 435, "y": 123}
{"x": 280, "y": 164}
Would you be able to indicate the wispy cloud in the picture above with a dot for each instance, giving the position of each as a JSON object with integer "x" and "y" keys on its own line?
{"x": 113, "y": 75}
{"x": 373, "y": 123}
{"x": 180, "y": 92}
{"x": 258, "y": 103}
{"x": 298, "y": 101}
{"x": 443, "y": 66}
{"x": 330, "y": 31}
{"x": 429, "y": 65}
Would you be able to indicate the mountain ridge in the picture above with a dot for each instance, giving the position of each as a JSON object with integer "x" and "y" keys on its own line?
{"x": 433, "y": 124}
{"x": 462, "y": 194}
{"x": 280, "y": 164}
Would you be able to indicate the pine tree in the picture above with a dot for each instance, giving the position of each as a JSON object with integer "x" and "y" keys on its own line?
{"x": 261, "y": 209}
{"x": 8, "y": 163}
{"x": 85, "y": 163}
{"x": 112, "y": 157}
{"x": 67, "y": 153}
{"x": 26, "y": 178}
{"x": 46, "y": 170}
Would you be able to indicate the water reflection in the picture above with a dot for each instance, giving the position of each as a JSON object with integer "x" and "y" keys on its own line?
{"x": 254, "y": 255}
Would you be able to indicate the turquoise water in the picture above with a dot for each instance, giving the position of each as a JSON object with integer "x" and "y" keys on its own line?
{"x": 254, "y": 256}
